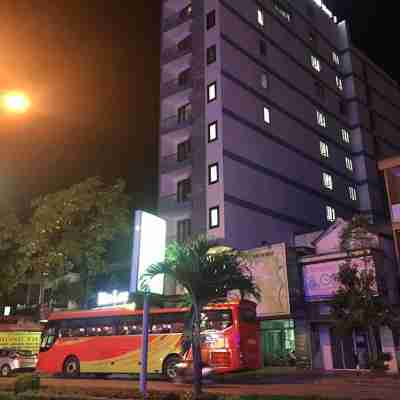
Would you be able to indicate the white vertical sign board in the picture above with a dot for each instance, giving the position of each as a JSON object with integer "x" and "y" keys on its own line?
{"x": 149, "y": 241}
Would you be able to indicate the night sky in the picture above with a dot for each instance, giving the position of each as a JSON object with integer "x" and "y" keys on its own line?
{"x": 91, "y": 68}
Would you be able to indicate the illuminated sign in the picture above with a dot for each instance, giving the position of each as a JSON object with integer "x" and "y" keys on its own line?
{"x": 325, "y": 9}
{"x": 320, "y": 281}
{"x": 112, "y": 299}
{"x": 7, "y": 311}
{"x": 148, "y": 248}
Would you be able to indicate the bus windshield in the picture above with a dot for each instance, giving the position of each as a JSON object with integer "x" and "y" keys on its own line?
{"x": 217, "y": 320}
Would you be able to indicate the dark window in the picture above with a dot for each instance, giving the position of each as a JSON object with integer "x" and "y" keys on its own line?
{"x": 343, "y": 107}
{"x": 216, "y": 319}
{"x": 211, "y": 19}
{"x": 213, "y": 217}
{"x": 186, "y": 12}
{"x": 282, "y": 11}
{"x": 185, "y": 44}
{"x": 372, "y": 120}
{"x": 184, "y": 77}
{"x": 184, "y": 150}
{"x": 211, "y": 54}
{"x": 213, "y": 173}
{"x": 320, "y": 90}
{"x": 212, "y": 131}
{"x": 263, "y": 48}
{"x": 310, "y": 11}
{"x": 184, "y": 112}
{"x": 184, "y": 228}
{"x": 313, "y": 38}
{"x": 184, "y": 189}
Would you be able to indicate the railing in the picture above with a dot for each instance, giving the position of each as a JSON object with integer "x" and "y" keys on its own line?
{"x": 175, "y": 121}
{"x": 170, "y": 204}
{"x": 171, "y": 162}
{"x": 175, "y": 85}
{"x": 176, "y": 51}
{"x": 396, "y": 212}
{"x": 177, "y": 18}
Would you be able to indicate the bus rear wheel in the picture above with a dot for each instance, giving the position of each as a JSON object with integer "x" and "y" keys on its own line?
{"x": 170, "y": 369}
{"x": 71, "y": 368}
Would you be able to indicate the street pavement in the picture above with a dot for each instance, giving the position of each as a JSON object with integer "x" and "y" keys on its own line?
{"x": 339, "y": 387}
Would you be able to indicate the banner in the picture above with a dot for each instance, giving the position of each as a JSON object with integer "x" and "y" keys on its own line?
{"x": 21, "y": 340}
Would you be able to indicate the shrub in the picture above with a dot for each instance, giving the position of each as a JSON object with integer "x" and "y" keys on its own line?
{"x": 27, "y": 383}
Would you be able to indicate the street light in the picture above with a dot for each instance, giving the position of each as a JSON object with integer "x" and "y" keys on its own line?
{"x": 15, "y": 102}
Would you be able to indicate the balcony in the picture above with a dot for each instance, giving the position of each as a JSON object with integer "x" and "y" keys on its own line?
{"x": 170, "y": 207}
{"x": 175, "y": 86}
{"x": 396, "y": 212}
{"x": 178, "y": 18}
{"x": 171, "y": 163}
{"x": 176, "y": 122}
{"x": 181, "y": 49}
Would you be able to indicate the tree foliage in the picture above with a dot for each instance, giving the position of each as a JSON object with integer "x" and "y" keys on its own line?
{"x": 206, "y": 276}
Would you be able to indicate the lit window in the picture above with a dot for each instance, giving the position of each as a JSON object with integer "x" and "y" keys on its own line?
{"x": 339, "y": 83}
{"x": 330, "y": 214}
{"x": 267, "y": 117}
{"x": 264, "y": 80}
{"x": 213, "y": 173}
{"x": 211, "y": 92}
{"x": 324, "y": 149}
{"x": 260, "y": 17}
{"x": 327, "y": 181}
{"x": 315, "y": 63}
{"x": 335, "y": 58}
{"x": 352, "y": 193}
{"x": 321, "y": 119}
{"x": 212, "y": 131}
{"x": 282, "y": 11}
{"x": 214, "y": 217}
{"x": 345, "y": 136}
{"x": 349, "y": 164}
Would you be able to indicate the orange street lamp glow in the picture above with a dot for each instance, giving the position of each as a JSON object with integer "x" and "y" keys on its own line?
{"x": 16, "y": 102}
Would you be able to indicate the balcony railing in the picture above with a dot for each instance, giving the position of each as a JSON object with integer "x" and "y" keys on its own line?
{"x": 170, "y": 205}
{"x": 179, "y": 50}
{"x": 178, "y": 18}
{"x": 176, "y": 122}
{"x": 396, "y": 212}
{"x": 175, "y": 85}
{"x": 171, "y": 163}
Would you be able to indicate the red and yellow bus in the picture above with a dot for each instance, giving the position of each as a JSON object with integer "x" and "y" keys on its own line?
{"x": 108, "y": 341}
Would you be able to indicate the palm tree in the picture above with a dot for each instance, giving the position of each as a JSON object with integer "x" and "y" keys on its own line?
{"x": 207, "y": 276}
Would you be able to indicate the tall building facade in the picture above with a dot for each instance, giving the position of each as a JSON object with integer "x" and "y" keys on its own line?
{"x": 272, "y": 122}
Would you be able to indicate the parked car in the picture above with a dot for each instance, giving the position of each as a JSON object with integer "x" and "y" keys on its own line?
{"x": 13, "y": 360}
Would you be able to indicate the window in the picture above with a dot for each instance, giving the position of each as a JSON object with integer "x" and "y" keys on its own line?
{"x": 312, "y": 38}
{"x": 184, "y": 230}
{"x": 345, "y": 136}
{"x": 212, "y": 92}
{"x": 330, "y": 214}
{"x": 310, "y": 11}
{"x": 184, "y": 113}
{"x": 315, "y": 63}
{"x": 267, "y": 117}
{"x": 343, "y": 107}
{"x": 339, "y": 83}
{"x": 260, "y": 17}
{"x": 213, "y": 173}
{"x": 327, "y": 181}
{"x": 320, "y": 90}
{"x": 210, "y": 19}
{"x": 211, "y": 54}
{"x": 212, "y": 131}
{"x": 349, "y": 164}
{"x": 264, "y": 81}
{"x": 263, "y": 48}
{"x": 282, "y": 11}
{"x": 352, "y": 193}
{"x": 214, "y": 217}
{"x": 184, "y": 189}
{"x": 321, "y": 119}
{"x": 324, "y": 149}
{"x": 335, "y": 58}
{"x": 184, "y": 150}
{"x": 187, "y": 11}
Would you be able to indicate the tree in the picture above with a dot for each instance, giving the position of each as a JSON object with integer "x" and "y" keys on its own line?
{"x": 206, "y": 276}
{"x": 12, "y": 270}
{"x": 357, "y": 304}
{"x": 71, "y": 230}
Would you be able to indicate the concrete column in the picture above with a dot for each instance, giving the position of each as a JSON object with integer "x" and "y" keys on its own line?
{"x": 388, "y": 347}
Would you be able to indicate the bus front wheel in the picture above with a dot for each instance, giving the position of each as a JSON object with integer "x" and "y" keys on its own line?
{"x": 71, "y": 368}
{"x": 170, "y": 369}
